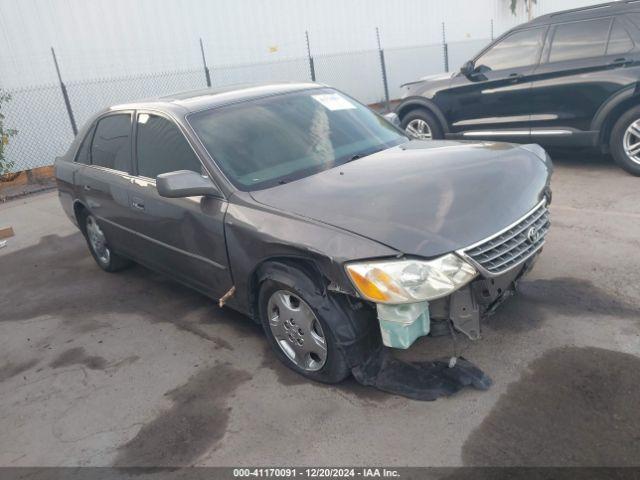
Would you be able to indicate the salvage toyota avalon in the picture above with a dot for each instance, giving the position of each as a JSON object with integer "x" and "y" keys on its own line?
{"x": 303, "y": 209}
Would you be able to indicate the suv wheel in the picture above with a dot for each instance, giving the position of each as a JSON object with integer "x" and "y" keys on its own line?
{"x": 625, "y": 141}
{"x": 298, "y": 335}
{"x": 99, "y": 247}
{"x": 422, "y": 125}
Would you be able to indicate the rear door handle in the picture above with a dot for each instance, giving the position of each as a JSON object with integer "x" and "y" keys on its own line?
{"x": 515, "y": 77}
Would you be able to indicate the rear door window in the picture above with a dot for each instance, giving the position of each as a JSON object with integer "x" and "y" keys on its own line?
{"x": 161, "y": 147}
{"x": 111, "y": 146}
{"x": 576, "y": 40}
{"x": 619, "y": 40}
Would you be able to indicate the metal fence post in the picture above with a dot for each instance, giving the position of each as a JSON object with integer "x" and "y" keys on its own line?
{"x": 207, "y": 75}
{"x": 65, "y": 95}
{"x": 445, "y": 50}
{"x": 384, "y": 72}
{"x": 312, "y": 67}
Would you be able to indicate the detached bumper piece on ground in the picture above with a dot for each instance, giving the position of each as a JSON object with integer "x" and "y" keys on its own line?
{"x": 427, "y": 380}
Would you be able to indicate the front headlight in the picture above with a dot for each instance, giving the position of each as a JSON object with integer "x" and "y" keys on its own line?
{"x": 407, "y": 281}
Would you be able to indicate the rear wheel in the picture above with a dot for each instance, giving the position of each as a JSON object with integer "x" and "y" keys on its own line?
{"x": 99, "y": 246}
{"x": 298, "y": 334}
{"x": 625, "y": 141}
{"x": 422, "y": 125}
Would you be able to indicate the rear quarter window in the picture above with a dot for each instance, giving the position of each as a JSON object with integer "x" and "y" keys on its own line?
{"x": 635, "y": 18}
{"x": 619, "y": 39}
{"x": 85, "y": 147}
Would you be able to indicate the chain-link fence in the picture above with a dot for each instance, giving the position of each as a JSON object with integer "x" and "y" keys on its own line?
{"x": 46, "y": 116}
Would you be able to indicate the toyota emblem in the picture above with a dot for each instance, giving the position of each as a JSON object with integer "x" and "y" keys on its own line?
{"x": 533, "y": 235}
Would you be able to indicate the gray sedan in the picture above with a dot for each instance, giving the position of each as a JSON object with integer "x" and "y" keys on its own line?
{"x": 308, "y": 212}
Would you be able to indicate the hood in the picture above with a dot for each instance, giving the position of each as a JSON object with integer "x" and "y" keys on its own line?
{"x": 437, "y": 76}
{"x": 423, "y": 198}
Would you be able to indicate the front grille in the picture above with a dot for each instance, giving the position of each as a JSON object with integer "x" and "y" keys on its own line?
{"x": 513, "y": 246}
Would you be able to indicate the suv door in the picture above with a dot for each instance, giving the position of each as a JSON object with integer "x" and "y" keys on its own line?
{"x": 183, "y": 237}
{"x": 493, "y": 100}
{"x": 105, "y": 179}
{"x": 582, "y": 66}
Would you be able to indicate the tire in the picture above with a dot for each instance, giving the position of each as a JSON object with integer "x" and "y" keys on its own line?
{"x": 414, "y": 119}
{"x": 105, "y": 258}
{"x": 623, "y": 135}
{"x": 333, "y": 367}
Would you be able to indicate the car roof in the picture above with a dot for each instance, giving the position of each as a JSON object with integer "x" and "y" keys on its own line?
{"x": 203, "y": 99}
{"x": 585, "y": 13}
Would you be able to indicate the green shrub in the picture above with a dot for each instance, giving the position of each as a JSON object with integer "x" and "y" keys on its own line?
{"x": 5, "y": 134}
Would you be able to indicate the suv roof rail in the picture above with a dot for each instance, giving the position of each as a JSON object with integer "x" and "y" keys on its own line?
{"x": 615, "y": 5}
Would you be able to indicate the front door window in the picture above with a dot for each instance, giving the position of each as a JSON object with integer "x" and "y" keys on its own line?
{"x": 520, "y": 49}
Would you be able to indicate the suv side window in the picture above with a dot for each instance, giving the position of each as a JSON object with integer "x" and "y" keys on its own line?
{"x": 635, "y": 18}
{"x": 520, "y": 49}
{"x": 111, "y": 146}
{"x": 619, "y": 40}
{"x": 161, "y": 147}
{"x": 576, "y": 40}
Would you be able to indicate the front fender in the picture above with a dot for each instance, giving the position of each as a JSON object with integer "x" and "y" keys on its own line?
{"x": 256, "y": 234}
{"x": 411, "y": 103}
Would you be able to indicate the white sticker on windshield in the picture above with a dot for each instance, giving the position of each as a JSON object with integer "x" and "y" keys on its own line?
{"x": 334, "y": 101}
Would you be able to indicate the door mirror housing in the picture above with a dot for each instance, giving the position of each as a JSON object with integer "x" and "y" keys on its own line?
{"x": 185, "y": 183}
{"x": 468, "y": 68}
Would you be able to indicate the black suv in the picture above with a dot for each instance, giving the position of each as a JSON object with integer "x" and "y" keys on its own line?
{"x": 570, "y": 78}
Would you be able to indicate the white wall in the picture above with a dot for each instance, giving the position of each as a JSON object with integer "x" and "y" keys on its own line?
{"x": 105, "y": 38}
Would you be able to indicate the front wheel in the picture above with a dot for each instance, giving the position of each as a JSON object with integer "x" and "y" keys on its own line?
{"x": 625, "y": 141}
{"x": 298, "y": 335}
{"x": 421, "y": 125}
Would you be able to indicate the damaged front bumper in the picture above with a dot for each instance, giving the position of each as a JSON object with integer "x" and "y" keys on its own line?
{"x": 401, "y": 325}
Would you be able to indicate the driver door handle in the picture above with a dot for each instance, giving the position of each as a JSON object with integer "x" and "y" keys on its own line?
{"x": 137, "y": 203}
{"x": 516, "y": 77}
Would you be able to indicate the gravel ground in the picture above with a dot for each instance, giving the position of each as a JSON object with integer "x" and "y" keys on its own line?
{"x": 134, "y": 369}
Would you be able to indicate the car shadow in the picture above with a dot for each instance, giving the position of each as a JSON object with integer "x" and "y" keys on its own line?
{"x": 58, "y": 277}
{"x": 581, "y": 158}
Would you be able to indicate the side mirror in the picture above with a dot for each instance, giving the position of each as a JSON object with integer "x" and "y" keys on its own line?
{"x": 468, "y": 68}
{"x": 185, "y": 183}
{"x": 392, "y": 118}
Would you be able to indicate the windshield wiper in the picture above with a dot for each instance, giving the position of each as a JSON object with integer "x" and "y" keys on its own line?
{"x": 361, "y": 155}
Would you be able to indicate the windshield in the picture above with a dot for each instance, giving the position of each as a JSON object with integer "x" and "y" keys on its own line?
{"x": 274, "y": 140}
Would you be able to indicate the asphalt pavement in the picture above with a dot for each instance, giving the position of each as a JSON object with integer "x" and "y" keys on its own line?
{"x": 133, "y": 369}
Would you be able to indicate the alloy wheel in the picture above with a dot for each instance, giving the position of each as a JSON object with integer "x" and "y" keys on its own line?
{"x": 297, "y": 331}
{"x": 631, "y": 142}
{"x": 98, "y": 241}
{"x": 419, "y": 129}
